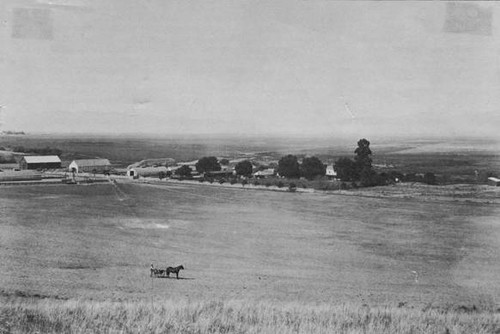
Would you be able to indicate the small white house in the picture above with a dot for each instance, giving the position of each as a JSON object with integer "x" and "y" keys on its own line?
{"x": 330, "y": 172}
{"x": 264, "y": 173}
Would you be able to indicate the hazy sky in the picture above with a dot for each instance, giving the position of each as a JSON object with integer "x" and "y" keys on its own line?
{"x": 253, "y": 67}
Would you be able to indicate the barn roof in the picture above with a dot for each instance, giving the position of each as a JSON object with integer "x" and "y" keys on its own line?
{"x": 91, "y": 162}
{"x": 41, "y": 159}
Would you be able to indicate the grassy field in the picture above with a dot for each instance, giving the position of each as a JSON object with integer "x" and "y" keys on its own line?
{"x": 234, "y": 316}
{"x": 98, "y": 241}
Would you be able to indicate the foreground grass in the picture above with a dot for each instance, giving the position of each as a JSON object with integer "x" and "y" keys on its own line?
{"x": 49, "y": 316}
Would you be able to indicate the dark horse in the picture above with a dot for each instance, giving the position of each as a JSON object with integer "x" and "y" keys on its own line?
{"x": 174, "y": 270}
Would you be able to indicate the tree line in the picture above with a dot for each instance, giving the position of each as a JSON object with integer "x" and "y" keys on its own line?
{"x": 358, "y": 171}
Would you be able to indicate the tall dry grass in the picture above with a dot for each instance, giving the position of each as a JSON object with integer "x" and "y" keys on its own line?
{"x": 50, "y": 316}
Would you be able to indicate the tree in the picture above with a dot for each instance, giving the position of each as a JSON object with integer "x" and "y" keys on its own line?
{"x": 363, "y": 155}
{"x": 346, "y": 169}
{"x": 429, "y": 178}
{"x": 224, "y": 162}
{"x": 288, "y": 166}
{"x": 368, "y": 177}
{"x": 184, "y": 171}
{"x": 312, "y": 167}
{"x": 244, "y": 168}
{"x": 207, "y": 164}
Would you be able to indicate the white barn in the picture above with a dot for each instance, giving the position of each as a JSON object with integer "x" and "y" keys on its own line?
{"x": 90, "y": 166}
{"x": 147, "y": 171}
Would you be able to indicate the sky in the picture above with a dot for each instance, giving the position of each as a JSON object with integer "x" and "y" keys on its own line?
{"x": 285, "y": 67}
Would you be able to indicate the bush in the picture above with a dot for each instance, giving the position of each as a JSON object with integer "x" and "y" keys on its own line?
{"x": 183, "y": 171}
{"x": 280, "y": 184}
{"x": 244, "y": 182}
{"x": 207, "y": 164}
{"x": 429, "y": 178}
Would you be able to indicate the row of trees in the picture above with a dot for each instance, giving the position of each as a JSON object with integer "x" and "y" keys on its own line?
{"x": 288, "y": 166}
{"x": 311, "y": 167}
{"x": 212, "y": 164}
{"x": 359, "y": 170}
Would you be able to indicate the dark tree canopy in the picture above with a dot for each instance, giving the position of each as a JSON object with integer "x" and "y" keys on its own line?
{"x": 346, "y": 169}
{"x": 429, "y": 178}
{"x": 312, "y": 167}
{"x": 244, "y": 168}
{"x": 224, "y": 162}
{"x": 208, "y": 164}
{"x": 368, "y": 177}
{"x": 363, "y": 155}
{"x": 183, "y": 171}
{"x": 288, "y": 166}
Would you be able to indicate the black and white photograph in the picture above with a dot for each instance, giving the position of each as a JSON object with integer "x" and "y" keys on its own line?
{"x": 249, "y": 166}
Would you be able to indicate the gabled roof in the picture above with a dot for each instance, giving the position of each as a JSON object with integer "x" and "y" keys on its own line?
{"x": 265, "y": 172}
{"x": 91, "y": 162}
{"x": 41, "y": 159}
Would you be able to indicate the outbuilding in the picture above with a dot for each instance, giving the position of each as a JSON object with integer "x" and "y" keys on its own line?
{"x": 330, "y": 172}
{"x": 493, "y": 181}
{"x": 21, "y": 175}
{"x": 265, "y": 173}
{"x": 40, "y": 162}
{"x": 147, "y": 171}
{"x": 90, "y": 166}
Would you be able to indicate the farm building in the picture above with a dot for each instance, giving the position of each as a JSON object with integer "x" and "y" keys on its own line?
{"x": 147, "y": 171}
{"x": 265, "y": 173}
{"x": 153, "y": 163}
{"x": 90, "y": 166}
{"x": 493, "y": 181}
{"x": 22, "y": 175}
{"x": 40, "y": 162}
{"x": 330, "y": 172}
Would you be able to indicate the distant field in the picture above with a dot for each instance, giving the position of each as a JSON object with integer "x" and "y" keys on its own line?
{"x": 453, "y": 161}
{"x": 98, "y": 241}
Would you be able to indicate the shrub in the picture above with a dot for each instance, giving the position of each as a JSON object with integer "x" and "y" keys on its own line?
{"x": 244, "y": 182}
{"x": 280, "y": 184}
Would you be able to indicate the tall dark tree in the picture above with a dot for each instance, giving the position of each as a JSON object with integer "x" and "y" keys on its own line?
{"x": 243, "y": 168}
{"x": 312, "y": 167}
{"x": 288, "y": 166}
{"x": 207, "y": 164}
{"x": 346, "y": 169}
{"x": 363, "y": 155}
